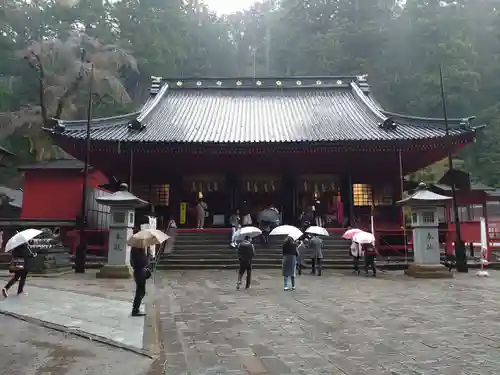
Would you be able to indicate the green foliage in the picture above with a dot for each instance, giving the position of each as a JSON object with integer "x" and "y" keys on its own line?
{"x": 399, "y": 44}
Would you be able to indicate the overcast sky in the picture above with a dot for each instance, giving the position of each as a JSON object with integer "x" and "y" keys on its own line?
{"x": 229, "y": 6}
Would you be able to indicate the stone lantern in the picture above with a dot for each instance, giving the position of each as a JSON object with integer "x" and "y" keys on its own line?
{"x": 122, "y": 211}
{"x": 425, "y": 224}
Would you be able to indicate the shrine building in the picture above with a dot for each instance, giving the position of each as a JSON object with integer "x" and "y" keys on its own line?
{"x": 245, "y": 143}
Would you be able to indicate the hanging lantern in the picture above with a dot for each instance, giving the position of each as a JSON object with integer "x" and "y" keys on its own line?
{"x": 305, "y": 186}
{"x": 193, "y": 186}
{"x": 209, "y": 186}
{"x": 255, "y": 187}
{"x": 323, "y": 188}
{"x": 265, "y": 187}
{"x": 248, "y": 186}
{"x": 332, "y": 186}
{"x": 216, "y": 186}
{"x": 273, "y": 187}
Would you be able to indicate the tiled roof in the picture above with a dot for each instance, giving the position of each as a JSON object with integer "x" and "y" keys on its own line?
{"x": 54, "y": 164}
{"x": 15, "y": 196}
{"x": 317, "y": 109}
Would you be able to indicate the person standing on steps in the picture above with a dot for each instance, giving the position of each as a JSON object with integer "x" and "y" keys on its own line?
{"x": 19, "y": 266}
{"x": 356, "y": 252}
{"x": 370, "y": 252}
{"x": 201, "y": 209}
{"x": 139, "y": 261}
{"x": 246, "y": 252}
{"x": 316, "y": 245}
{"x": 290, "y": 253}
{"x": 234, "y": 221}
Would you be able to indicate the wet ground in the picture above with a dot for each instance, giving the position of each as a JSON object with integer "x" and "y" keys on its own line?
{"x": 336, "y": 324}
{"x": 28, "y": 349}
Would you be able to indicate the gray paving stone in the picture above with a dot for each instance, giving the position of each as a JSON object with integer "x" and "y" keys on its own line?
{"x": 104, "y": 317}
{"x": 336, "y": 324}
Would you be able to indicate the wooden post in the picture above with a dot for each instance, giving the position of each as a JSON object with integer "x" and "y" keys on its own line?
{"x": 131, "y": 170}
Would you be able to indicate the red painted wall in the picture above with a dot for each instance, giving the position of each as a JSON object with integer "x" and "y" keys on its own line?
{"x": 56, "y": 194}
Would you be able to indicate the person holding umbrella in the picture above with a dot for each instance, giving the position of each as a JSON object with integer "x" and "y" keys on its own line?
{"x": 290, "y": 253}
{"x": 246, "y": 252}
{"x": 316, "y": 245}
{"x": 140, "y": 242}
{"x": 21, "y": 254}
{"x": 367, "y": 242}
{"x": 19, "y": 266}
{"x": 357, "y": 254}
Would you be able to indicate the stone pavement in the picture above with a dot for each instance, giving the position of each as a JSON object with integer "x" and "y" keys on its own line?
{"x": 96, "y": 309}
{"x": 334, "y": 324}
{"x": 29, "y": 349}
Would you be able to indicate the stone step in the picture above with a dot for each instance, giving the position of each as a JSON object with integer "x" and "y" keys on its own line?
{"x": 217, "y": 261}
{"x": 256, "y": 244}
{"x": 225, "y": 249}
{"x": 338, "y": 266}
{"x": 258, "y": 256}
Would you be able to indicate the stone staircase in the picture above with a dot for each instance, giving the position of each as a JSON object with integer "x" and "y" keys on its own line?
{"x": 210, "y": 250}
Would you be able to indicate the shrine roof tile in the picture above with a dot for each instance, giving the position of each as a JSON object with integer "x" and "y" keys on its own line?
{"x": 297, "y": 110}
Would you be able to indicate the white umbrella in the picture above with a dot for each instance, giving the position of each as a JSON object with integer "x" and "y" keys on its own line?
{"x": 147, "y": 237}
{"x": 247, "y": 231}
{"x": 287, "y": 230}
{"x": 319, "y": 231}
{"x": 364, "y": 238}
{"x": 21, "y": 238}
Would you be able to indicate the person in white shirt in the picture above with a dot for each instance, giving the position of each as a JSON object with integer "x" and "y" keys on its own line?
{"x": 357, "y": 254}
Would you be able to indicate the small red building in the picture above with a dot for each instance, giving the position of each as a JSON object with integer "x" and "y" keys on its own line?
{"x": 53, "y": 197}
{"x": 53, "y": 189}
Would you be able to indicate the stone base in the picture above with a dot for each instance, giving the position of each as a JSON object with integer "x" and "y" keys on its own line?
{"x": 428, "y": 271}
{"x": 114, "y": 272}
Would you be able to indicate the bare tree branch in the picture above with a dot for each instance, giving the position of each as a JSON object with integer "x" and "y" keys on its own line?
{"x": 38, "y": 66}
{"x": 71, "y": 89}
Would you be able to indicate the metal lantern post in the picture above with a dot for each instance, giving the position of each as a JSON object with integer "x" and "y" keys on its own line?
{"x": 81, "y": 250}
{"x": 461, "y": 256}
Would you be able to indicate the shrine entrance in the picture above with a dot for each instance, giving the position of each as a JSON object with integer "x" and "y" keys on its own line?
{"x": 321, "y": 194}
{"x": 257, "y": 192}
{"x": 213, "y": 190}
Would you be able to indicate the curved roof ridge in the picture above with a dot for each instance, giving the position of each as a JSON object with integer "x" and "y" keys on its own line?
{"x": 359, "y": 94}
{"x": 150, "y": 105}
{"x": 99, "y": 122}
{"x": 466, "y": 120}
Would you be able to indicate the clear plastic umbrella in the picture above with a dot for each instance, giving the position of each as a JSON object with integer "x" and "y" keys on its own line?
{"x": 319, "y": 231}
{"x": 247, "y": 231}
{"x": 287, "y": 230}
{"x": 21, "y": 238}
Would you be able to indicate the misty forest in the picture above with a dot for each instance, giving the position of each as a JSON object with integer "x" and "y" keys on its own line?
{"x": 47, "y": 46}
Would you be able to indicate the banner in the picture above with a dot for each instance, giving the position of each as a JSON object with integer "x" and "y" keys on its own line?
{"x": 183, "y": 214}
{"x": 484, "y": 240}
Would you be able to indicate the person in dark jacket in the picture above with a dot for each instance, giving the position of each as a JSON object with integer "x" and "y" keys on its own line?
{"x": 370, "y": 252}
{"x": 246, "y": 252}
{"x": 139, "y": 261}
{"x": 290, "y": 254}
{"x": 19, "y": 266}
